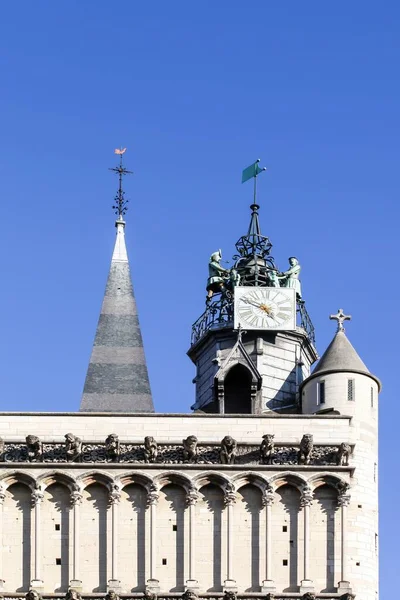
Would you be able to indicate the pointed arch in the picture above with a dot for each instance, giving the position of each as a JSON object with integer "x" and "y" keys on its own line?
{"x": 86, "y": 479}
{"x": 173, "y": 477}
{"x": 288, "y": 478}
{"x": 136, "y": 478}
{"x": 330, "y": 479}
{"x": 213, "y": 478}
{"x": 17, "y": 477}
{"x": 249, "y": 478}
{"x": 47, "y": 479}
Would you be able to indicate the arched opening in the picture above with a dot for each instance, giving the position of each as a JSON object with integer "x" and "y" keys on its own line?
{"x": 237, "y": 391}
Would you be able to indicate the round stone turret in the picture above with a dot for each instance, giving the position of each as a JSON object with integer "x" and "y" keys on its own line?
{"x": 340, "y": 382}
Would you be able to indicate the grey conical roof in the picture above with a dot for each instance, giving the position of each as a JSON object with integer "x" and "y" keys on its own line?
{"x": 117, "y": 378}
{"x": 340, "y": 356}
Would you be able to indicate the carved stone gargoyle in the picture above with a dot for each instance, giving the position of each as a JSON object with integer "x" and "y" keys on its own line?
{"x": 149, "y": 595}
{"x": 33, "y": 595}
{"x": 342, "y": 455}
{"x": 306, "y": 447}
{"x": 230, "y": 595}
{"x": 73, "y": 594}
{"x": 73, "y": 446}
{"x": 34, "y": 447}
{"x": 112, "y": 595}
{"x": 270, "y": 596}
{"x": 308, "y": 596}
{"x": 112, "y": 447}
{"x": 189, "y": 595}
{"x": 228, "y": 450}
{"x": 150, "y": 450}
{"x": 267, "y": 449}
{"x": 190, "y": 449}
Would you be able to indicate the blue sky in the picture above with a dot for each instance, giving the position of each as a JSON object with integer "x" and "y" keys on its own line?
{"x": 196, "y": 91}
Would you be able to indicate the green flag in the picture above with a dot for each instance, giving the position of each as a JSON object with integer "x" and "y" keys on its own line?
{"x": 252, "y": 171}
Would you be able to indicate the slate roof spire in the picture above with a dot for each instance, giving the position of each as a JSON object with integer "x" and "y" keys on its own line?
{"x": 117, "y": 379}
{"x": 341, "y": 356}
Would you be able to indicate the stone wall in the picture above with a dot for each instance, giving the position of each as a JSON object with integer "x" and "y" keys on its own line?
{"x": 121, "y": 524}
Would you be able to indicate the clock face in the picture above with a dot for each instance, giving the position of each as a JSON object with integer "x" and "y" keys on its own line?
{"x": 265, "y": 308}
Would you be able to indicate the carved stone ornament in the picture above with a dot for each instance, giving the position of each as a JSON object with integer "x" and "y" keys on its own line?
{"x": 270, "y": 596}
{"x": 308, "y": 596}
{"x": 342, "y": 456}
{"x": 189, "y": 595}
{"x": 268, "y": 496}
{"x": 190, "y": 449}
{"x": 73, "y": 594}
{"x": 115, "y": 494}
{"x": 228, "y": 450}
{"x": 112, "y": 447}
{"x": 192, "y": 496}
{"x": 306, "y": 448}
{"x": 267, "y": 449}
{"x": 36, "y": 497}
{"x": 229, "y": 495}
{"x": 112, "y": 595}
{"x": 230, "y": 595}
{"x": 149, "y": 595}
{"x": 33, "y": 595}
{"x": 343, "y": 494}
{"x": 347, "y": 596}
{"x": 150, "y": 449}
{"x": 166, "y": 453}
{"x": 75, "y": 498}
{"x": 306, "y": 497}
{"x": 73, "y": 447}
{"x": 34, "y": 448}
{"x": 2, "y": 495}
{"x": 153, "y": 495}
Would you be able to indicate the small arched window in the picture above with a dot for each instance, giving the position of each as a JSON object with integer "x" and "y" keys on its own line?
{"x": 237, "y": 391}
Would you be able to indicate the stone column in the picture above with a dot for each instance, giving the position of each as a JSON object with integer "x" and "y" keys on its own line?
{"x": 152, "y": 584}
{"x": 268, "y": 585}
{"x": 114, "y": 498}
{"x": 343, "y": 503}
{"x": 191, "y": 500}
{"x": 306, "y": 584}
{"x": 2, "y": 497}
{"x": 229, "y": 500}
{"x": 76, "y": 500}
{"x": 37, "y": 583}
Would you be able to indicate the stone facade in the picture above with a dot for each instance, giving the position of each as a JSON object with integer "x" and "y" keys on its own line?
{"x": 248, "y": 526}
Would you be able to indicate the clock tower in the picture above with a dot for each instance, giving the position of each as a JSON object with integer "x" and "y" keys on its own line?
{"x": 254, "y": 344}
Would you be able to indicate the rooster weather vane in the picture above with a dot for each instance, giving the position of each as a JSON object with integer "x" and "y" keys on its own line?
{"x": 120, "y": 207}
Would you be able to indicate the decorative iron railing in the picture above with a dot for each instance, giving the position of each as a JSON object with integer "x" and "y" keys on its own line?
{"x": 219, "y": 315}
{"x": 202, "y": 596}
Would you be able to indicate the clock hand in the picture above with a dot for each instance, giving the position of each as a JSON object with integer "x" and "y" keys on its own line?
{"x": 263, "y": 307}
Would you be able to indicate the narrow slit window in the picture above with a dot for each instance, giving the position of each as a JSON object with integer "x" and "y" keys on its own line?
{"x": 284, "y": 528}
{"x": 285, "y": 562}
{"x": 58, "y": 561}
{"x": 321, "y": 392}
{"x": 350, "y": 390}
{"x": 57, "y": 526}
{"x": 164, "y": 561}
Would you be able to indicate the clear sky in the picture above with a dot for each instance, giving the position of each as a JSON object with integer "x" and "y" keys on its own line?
{"x": 196, "y": 91}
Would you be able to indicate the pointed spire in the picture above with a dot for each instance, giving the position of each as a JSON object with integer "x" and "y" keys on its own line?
{"x": 340, "y": 355}
{"x": 117, "y": 379}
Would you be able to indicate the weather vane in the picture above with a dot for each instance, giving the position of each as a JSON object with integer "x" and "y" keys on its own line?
{"x": 120, "y": 207}
{"x": 252, "y": 171}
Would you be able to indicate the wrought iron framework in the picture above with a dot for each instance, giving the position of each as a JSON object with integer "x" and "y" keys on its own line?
{"x": 219, "y": 315}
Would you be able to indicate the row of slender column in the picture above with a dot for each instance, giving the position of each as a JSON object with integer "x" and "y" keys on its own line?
{"x": 191, "y": 499}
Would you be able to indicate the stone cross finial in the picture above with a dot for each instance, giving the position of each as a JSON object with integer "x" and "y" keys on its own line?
{"x": 340, "y": 318}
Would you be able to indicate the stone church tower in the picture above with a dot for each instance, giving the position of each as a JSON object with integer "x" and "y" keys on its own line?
{"x": 267, "y": 489}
